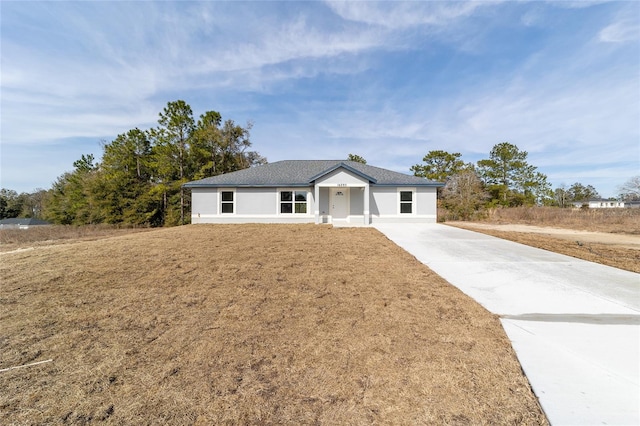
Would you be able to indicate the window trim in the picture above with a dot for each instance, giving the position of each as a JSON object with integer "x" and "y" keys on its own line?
{"x": 413, "y": 200}
{"x": 293, "y": 201}
{"x": 221, "y": 202}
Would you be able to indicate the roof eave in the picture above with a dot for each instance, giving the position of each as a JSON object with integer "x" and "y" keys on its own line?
{"x": 297, "y": 185}
{"x": 428, "y": 184}
{"x": 345, "y": 166}
{"x": 247, "y": 185}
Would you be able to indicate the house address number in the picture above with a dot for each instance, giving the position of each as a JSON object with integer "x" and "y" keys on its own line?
{"x": 342, "y": 184}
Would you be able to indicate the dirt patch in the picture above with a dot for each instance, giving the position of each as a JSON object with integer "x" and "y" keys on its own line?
{"x": 249, "y": 324}
{"x": 619, "y": 250}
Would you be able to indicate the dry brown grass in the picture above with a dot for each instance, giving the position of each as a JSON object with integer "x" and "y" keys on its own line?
{"x": 610, "y": 252}
{"x": 248, "y": 324}
{"x": 626, "y": 221}
{"x": 621, "y": 256}
{"x": 11, "y": 239}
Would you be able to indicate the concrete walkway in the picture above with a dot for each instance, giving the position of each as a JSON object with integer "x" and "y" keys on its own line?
{"x": 575, "y": 325}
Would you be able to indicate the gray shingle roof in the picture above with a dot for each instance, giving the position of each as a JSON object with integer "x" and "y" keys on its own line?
{"x": 304, "y": 172}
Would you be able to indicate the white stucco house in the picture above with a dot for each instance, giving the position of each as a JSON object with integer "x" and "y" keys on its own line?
{"x": 313, "y": 191}
{"x": 600, "y": 203}
{"x": 22, "y": 223}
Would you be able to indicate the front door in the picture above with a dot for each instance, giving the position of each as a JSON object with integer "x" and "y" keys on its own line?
{"x": 339, "y": 203}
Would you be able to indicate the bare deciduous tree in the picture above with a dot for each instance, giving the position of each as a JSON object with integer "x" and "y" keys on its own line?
{"x": 630, "y": 191}
{"x": 464, "y": 194}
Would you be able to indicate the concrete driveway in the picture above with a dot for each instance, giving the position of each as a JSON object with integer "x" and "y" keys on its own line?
{"x": 575, "y": 325}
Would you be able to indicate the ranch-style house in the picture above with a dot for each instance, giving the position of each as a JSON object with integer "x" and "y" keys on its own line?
{"x": 313, "y": 191}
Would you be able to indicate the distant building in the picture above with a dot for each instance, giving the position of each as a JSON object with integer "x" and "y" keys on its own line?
{"x": 21, "y": 223}
{"x": 599, "y": 203}
{"x": 632, "y": 204}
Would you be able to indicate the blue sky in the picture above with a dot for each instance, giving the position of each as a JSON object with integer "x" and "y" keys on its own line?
{"x": 389, "y": 81}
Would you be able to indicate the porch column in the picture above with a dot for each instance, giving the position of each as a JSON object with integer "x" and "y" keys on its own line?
{"x": 366, "y": 204}
{"x": 316, "y": 202}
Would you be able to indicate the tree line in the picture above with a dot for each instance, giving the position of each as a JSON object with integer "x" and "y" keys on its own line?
{"x": 504, "y": 179}
{"x": 139, "y": 179}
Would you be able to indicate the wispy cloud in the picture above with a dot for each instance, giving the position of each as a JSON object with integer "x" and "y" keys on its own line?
{"x": 386, "y": 80}
{"x": 294, "y": 41}
{"x": 401, "y": 15}
{"x": 575, "y": 114}
{"x": 137, "y": 51}
{"x": 625, "y": 30}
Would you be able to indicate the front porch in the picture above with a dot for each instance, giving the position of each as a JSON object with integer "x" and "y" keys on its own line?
{"x": 342, "y": 196}
{"x": 346, "y": 205}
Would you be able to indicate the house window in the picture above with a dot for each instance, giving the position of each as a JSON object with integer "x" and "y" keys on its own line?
{"x": 406, "y": 202}
{"x": 226, "y": 202}
{"x": 293, "y": 202}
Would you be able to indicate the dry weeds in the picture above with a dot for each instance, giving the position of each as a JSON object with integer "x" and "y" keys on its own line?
{"x": 613, "y": 249}
{"x": 248, "y": 324}
{"x": 12, "y": 239}
{"x": 618, "y": 256}
{"x": 624, "y": 221}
